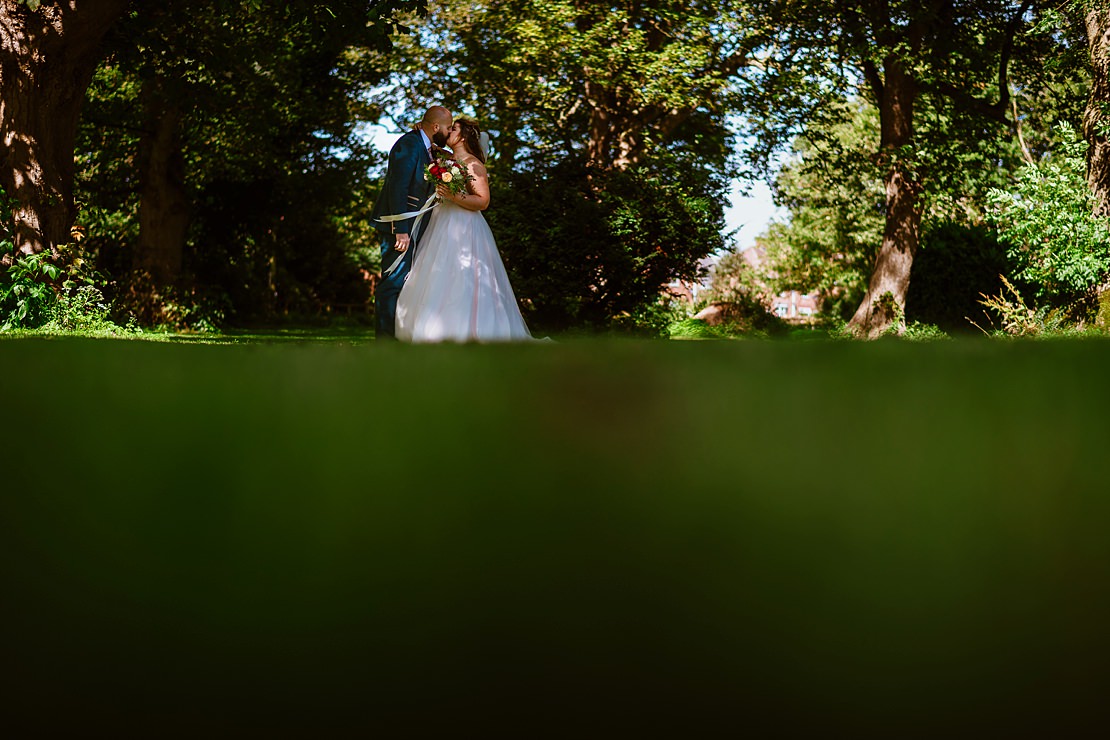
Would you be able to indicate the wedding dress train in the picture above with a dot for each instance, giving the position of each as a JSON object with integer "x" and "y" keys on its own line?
{"x": 458, "y": 289}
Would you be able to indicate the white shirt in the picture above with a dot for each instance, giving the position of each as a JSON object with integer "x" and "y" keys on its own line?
{"x": 427, "y": 142}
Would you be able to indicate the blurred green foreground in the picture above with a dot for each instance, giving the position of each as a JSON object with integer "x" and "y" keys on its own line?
{"x": 589, "y": 537}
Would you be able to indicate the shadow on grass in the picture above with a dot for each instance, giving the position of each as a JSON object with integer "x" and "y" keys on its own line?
{"x": 304, "y": 335}
{"x": 311, "y": 534}
{"x": 307, "y": 532}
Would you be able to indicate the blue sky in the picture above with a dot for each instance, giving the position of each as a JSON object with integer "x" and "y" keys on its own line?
{"x": 749, "y": 213}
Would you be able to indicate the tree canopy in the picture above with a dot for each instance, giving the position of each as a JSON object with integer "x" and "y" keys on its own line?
{"x": 204, "y": 161}
{"x": 613, "y": 154}
{"x": 215, "y": 159}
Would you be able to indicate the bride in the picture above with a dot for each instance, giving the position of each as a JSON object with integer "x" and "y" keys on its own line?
{"x": 458, "y": 290}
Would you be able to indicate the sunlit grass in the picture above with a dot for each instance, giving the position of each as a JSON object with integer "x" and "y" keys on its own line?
{"x": 350, "y": 334}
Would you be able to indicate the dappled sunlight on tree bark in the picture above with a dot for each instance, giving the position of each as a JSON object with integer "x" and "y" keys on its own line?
{"x": 47, "y": 57}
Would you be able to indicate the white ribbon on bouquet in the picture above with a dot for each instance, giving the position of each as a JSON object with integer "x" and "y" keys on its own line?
{"x": 419, "y": 216}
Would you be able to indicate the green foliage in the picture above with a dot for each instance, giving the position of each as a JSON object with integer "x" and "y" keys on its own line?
{"x": 611, "y": 154}
{"x": 654, "y": 319}
{"x": 279, "y": 185}
{"x": 584, "y": 247}
{"x": 737, "y": 294}
{"x": 1056, "y": 243}
{"x": 52, "y": 292}
{"x": 744, "y": 315}
{"x": 889, "y": 306}
{"x": 734, "y": 277}
{"x": 1017, "y": 319}
{"x": 919, "y": 332}
{"x": 83, "y": 310}
{"x": 956, "y": 263}
{"x": 694, "y": 329}
{"x": 669, "y": 317}
{"x": 26, "y": 295}
{"x": 948, "y": 82}
{"x": 832, "y": 187}
{"x": 174, "y": 308}
{"x": 828, "y": 52}
{"x": 611, "y": 138}
{"x": 35, "y": 293}
{"x": 539, "y": 72}
{"x": 834, "y": 193}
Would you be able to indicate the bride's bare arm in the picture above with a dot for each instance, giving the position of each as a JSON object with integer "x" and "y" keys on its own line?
{"x": 477, "y": 199}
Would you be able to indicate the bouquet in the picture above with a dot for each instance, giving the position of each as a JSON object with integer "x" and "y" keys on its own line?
{"x": 445, "y": 170}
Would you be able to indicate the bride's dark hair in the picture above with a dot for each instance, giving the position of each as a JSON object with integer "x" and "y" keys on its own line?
{"x": 469, "y": 130}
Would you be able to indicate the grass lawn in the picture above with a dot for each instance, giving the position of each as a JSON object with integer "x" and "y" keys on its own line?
{"x": 887, "y": 539}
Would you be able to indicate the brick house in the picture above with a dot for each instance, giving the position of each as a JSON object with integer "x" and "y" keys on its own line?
{"x": 791, "y": 305}
{"x": 690, "y": 291}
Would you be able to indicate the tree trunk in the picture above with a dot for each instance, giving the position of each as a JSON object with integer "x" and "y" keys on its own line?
{"x": 599, "y": 145}
{"x": 163, "y": 199}
{"x": 1098, "y": 109}
{"x": 47, "y": 59}
{"x": 885, "y": 300}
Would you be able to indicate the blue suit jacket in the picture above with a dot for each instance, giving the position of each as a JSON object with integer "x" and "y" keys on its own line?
{"x": 405, "y": 188}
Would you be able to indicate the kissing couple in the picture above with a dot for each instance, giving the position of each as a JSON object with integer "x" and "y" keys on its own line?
{"x": 442, "y": 277}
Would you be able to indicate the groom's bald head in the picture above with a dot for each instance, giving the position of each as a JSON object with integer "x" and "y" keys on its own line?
{"x": 437, "y": 115}
{"x": 435, "y": 124}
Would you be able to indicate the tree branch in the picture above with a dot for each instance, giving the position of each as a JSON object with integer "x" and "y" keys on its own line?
{"x": 874, "y": 79}
{"x": 997, "y": 110}
{"x": 1004, "y": 57}
{"x": 1025, "y": 153}
{"x": 854, "y": 30}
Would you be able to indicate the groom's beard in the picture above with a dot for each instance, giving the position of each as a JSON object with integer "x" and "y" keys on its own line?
{"x": 439, "y": 139}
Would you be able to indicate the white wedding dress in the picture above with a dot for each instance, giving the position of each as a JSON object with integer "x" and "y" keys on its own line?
{"x": 458, "y": 289}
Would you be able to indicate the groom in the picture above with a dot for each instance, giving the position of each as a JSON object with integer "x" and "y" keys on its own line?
{"x": 405, "y": 190}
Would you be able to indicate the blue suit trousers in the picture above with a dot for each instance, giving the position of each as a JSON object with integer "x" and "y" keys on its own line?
{"x": 389, "y": 288}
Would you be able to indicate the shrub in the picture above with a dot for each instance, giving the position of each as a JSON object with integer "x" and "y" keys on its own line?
{"x": 82, "y": 309}
{"x": 744, "y": 315}
{"x": 173, "y": 308}
{"x": 954, "y": 267}
{"x": 920, "y": 332}
{"x": 653, "y": 319}
{"x": 50, "y": 291}
{"x": 589, "y": 248}
{"x": 1055, "y": 242}
{"x": 26, "y": 296}
{"x": 694, "y": 329}
{"x": 25, "y": 292}
{"x": 1017, "y": 319}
